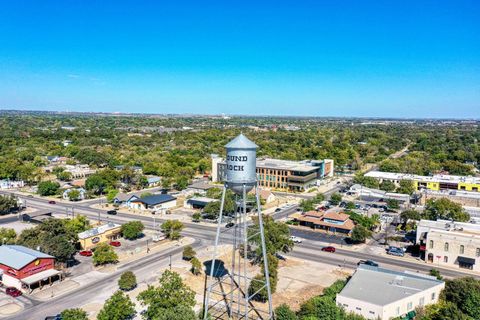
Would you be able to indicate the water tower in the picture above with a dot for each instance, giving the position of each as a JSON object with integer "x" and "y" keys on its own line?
{"x": 227, "y": 290}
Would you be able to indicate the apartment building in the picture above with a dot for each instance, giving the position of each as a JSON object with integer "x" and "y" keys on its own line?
{"x": 449, "y": 243}
{"x": 435, "y": 182}
{"x": 282, "y": 174}
{"x": 377, "y": 293}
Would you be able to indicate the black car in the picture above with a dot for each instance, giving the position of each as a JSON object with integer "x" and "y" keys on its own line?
{"x": 368, "y": 263}
{"x": 57, "y": 317}
{"x": 229, "y": 225}
{"x": 112, "y": 212}
{"x": 278, "y": 210}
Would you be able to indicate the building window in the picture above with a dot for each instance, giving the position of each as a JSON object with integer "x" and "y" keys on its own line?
{"x": 398, "y": 311}
{"x": 422, "y": 301}
{"x": 462, "y": 249}
{"x": 409, "y": 305}
{"x": 445, "y": 259}
{"x": 433, "y": 295}
{"x": 478, "y": 252}
{"x": 431, "y": 244}
{"x": 358, "y": 308}
{"x": 446, "y": 247}
{"x": 371, "y": 312}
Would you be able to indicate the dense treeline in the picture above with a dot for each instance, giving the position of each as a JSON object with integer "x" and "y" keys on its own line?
{"x": 179, "y": 147}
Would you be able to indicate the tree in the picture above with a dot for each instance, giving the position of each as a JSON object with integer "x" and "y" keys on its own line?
{"x": 196, "y": 217}
{"x": 132, "y": 229}
{"x": 64, "y": 176}
{"x": 406, "y": 187}
{"x": 104, "y": 254}
{"x": 127, "y": 281}
{"x": 336, "y": 198}
{"x": 436, "y": 273}
{"x": 393, "y": 204}
{"x": 172, "y": 228}
{"x": 95, "y": 183}
{"x": 387, "y": 185}
{"x": 170, "y": 295}
{"x": 188, "y": 253}
{"x": 7, "y": 204}
{"x": 74, "y": 195}
{"x": 7, "y": 236}
{"x": 350, "y": 205}
{"x": 118, "y": 307}
{"x": 181, "y": 183}
{"x": 77, "y": 224}
{"x": 196, "y": 268}
{"x": 444, "y": 208}
{"x": 52, "y": 237}
{"x": 48, "y": 188}
{"x": 360, "y": 233}
{"x": 283, "y": 312}
{"x": 410, "y": 215}
{"x": 464, "y": 293}
{"x": 111, "y": 194}
{"x": 74, "y": 314}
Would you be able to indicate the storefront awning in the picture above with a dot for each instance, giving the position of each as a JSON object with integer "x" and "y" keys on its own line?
{"x": 466, "y": 260}
{"x": 44, "y": 275}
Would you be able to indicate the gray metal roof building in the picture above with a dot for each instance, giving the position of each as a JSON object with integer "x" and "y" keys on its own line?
{"x": 17, "y": 257}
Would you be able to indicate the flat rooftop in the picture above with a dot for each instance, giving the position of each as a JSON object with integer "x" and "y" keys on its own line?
{"x": 285, "y": 165}
{"x": 447, "y": 225}
{"x": 435, "y": 178}
{"x": 381, "y": 287}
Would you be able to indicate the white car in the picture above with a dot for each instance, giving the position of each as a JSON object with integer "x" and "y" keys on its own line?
{"x": 296, "y": 239}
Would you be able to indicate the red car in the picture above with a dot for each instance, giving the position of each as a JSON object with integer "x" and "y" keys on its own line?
{"x": 52, "y": 202}
{"x": 328, "y": 249}
{"x": 115, "y": 243}
{"x": 12, "y": 291}
{"x": 86, "y": 253}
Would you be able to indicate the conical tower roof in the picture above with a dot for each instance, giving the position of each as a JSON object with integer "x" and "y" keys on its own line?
{"x": 241, "y": 142}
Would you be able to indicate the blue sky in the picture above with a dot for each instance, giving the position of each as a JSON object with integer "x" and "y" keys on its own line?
{"x": 318, "y": 58}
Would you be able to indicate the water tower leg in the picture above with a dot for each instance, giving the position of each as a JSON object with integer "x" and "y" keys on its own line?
{"x": 212, "y": 268}
{"x": 264, "y": 253}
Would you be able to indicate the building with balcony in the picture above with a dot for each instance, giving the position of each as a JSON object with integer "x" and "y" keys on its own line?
{"x": 281, "y": 174}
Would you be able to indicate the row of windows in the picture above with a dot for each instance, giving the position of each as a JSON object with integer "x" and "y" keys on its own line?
{"x": 421, "y": 302}
{"x": 446, "y": 247}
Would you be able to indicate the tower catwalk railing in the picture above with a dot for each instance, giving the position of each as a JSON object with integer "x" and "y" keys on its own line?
{"x": 227, "y": 293}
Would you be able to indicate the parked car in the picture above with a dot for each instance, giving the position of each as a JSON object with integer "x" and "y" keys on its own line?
{"x": 394, "y": 251}
{"x": 112, "y": 212}
{"x": 52, "y": 202}
{"x": 86, "y": 253}
{"x": 278, "y": 209}
{"x": 368, "y": 263}
{"x": 57, "y": 317}
{"x": 13, "y": 292}
{"x": 328, "y": 249}
{"x": 229, "y": 225}
{"x": 296, "y": 239}
{"x": 115, "y": 243}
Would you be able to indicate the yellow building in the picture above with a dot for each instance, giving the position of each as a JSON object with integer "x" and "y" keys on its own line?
{"x": 435, "y": 182}
{"x": 104, "y": 233}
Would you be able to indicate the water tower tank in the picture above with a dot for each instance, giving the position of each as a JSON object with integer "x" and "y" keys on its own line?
{"x": 241, "y": 164}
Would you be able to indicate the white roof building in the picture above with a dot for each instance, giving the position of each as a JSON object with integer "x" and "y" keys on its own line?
{"x": 377, "y": 293}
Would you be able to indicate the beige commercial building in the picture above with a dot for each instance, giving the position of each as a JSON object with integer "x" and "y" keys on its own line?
{"x": 377, "y": 293}
{"x": 281, "y": 174}
{"x": 450, "y": 244}
{"x": 104, "y": 233}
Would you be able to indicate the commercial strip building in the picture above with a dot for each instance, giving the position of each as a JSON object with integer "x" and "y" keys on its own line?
{"x": 330, "y": 221}
{"x": 464, "y": 198}
{"x": 104, "y": 233}
{"x": 375, "y": 194}
{"x": 377, "y": 293}
{"x": 25, "y": 268}
{"x": 281, "y": 174}
{"x": 197, "y": 202}
{"x": 435, "y": 182}
{"x": 449, "y": 244}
